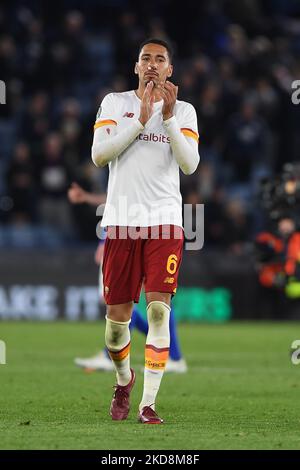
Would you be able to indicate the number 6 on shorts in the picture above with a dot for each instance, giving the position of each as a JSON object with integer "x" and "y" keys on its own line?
{"x": 172, "y": 264}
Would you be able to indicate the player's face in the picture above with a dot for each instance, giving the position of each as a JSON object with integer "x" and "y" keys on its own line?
{"x": 287, "y": 226}
{"x": 154, "y": 64}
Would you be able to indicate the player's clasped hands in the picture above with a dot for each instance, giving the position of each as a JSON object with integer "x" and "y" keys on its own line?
{"x": 147, "y": 103}
{"x": 168, "y": 92}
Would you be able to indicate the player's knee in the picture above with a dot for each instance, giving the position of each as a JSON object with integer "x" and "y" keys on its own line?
{"x": 119, "y": 313}
{"x": 116, "y": 333}
{"x": 158, "y": 320}
{"x": 158, "y": 313}
{"x": 112, "y": 337}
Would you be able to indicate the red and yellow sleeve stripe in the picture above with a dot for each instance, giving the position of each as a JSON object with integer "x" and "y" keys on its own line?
{"x": 105, "y": 122}
{"x": 190, "y": 133}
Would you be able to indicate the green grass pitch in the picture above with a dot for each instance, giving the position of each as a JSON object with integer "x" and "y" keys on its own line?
{"x": 241, "y": 390}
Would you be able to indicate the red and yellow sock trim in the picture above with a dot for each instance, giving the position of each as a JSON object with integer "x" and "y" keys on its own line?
{"x": 118, "y": 356}
{"x": 155, "y": 358}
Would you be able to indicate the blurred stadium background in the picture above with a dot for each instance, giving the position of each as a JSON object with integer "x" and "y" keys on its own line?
{"x": 235, "y": 62}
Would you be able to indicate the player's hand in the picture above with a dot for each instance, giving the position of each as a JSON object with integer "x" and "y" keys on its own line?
{"x": 99, "y": 254}
{"x": 147, "y": 104}
{"x": 168, "y": 92}
{"x": 76, "y": 194}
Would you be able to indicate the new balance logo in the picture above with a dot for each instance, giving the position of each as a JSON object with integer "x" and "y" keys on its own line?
{"x": 169, "y": 280}
{"x": 130, "y": 115}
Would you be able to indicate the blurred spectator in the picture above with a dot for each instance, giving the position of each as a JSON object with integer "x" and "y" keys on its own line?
{"x": 70, "y": 130}
{"x": 54, "y": 179}
{"x": 35, "y": 122}
{"x": 235, "y": 61}
{"x": 21, "y": 184}
{"x": 210, "y": 114}
{"x": 247, "y": 143}
{"x": 237, "y": 225}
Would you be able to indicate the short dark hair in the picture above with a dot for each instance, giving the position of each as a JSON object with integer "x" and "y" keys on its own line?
{"x": 161, "y": 42}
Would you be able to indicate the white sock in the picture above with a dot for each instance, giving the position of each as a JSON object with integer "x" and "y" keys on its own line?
{"x": 156, "y": 350}
{"x": 117, "y": 340}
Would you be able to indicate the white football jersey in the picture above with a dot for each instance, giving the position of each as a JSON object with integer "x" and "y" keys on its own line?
{"x": 143, "y": 186}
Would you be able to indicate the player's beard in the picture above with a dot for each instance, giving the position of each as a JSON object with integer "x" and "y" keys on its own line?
{"x": 151, "y": 79}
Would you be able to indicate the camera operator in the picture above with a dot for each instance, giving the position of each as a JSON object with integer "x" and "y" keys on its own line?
{"x": 278, "y": 249}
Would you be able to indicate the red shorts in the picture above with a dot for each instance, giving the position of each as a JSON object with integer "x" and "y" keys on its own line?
{"x": 133, "y": 256}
